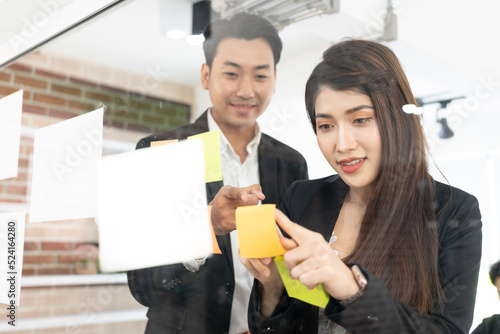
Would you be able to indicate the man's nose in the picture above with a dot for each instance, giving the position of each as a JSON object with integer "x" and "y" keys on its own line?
{"x": 245, "y": 87}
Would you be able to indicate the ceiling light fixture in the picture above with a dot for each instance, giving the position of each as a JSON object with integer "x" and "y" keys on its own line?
{"x": 390, "y": 24}
{"x": 445, "y": 132}
{"x": 175, "y": 18}
{"x": 279, "y": 12}
{"x": 195, "y": 39}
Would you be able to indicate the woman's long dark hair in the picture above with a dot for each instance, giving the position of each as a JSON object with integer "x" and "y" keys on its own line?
{"x": 398, "y": 237}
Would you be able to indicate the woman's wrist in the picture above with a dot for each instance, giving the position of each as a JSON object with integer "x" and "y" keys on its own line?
{"x": 343, "y": 285}
{"x": 361, "y": 283}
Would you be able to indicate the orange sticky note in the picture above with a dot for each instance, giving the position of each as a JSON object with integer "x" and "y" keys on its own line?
{"x": 216, "y": 249}
{"x": 317, "y": 296}
{"x": 257, "y": 234}
{"x": 163, "y": 142}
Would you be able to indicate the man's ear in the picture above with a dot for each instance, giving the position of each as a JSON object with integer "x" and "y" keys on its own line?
{"x": 205, "y": 75}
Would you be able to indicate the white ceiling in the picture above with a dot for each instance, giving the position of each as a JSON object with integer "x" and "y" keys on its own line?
{"x": 445, "y": 45}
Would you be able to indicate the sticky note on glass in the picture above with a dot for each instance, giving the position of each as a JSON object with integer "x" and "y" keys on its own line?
{"x": 153, "y": 212}
{"x": 216, "y": 249}
{"x": 12, "y": 245}
{"x": 257, "y": 234}
{"x": 317, "y": 296}
{"x": 10, "y": 133}
{"x": 163, "y": 142}
{"x": 66, "y": 161}
{"x": 211, "y": 144}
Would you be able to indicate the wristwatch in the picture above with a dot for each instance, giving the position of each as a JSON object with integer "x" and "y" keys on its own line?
{"x": 362, "y": 283}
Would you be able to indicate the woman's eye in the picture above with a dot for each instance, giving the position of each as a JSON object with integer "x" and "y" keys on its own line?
{"x": 362, "y": 120}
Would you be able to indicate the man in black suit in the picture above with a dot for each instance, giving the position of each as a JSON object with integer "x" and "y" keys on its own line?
{"x": 210, "y": 295}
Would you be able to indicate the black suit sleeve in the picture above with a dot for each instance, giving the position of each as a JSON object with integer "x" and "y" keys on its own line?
{"x": 377, "y": 311}
{"x": 489, "y": 325}
{"x": 480, "y": 329}
{"x": 459, "y": 258}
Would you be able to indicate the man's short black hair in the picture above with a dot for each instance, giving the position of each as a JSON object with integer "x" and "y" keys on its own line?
{"x": 241, "y": 26}
{"x": 494, "y": 272}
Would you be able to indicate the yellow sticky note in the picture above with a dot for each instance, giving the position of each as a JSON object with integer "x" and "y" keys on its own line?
{"x": 163, "y": 142}
{"x": 213, "y": 168}
{"x": 257, "y": 234}
{"x": 317, "y": 296}
{"x": 216, "y": 249}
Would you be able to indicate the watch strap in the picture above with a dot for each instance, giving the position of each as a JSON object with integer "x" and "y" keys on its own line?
{"x": 362, "y": 283}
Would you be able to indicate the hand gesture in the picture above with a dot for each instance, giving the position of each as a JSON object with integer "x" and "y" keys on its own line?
{"x": 311, "y": 260}
{"x": 271, "y": 286}
{"x": 225, "y": 203}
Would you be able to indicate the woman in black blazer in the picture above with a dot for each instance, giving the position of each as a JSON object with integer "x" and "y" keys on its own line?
{"x": 396, "y": 251}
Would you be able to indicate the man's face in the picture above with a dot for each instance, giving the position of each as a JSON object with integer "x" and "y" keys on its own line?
{"x": 241, "y": 82}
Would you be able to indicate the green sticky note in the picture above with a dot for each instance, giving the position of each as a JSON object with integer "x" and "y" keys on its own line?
{"x": 211, "y": 145}
{"x": 317, "y": 296}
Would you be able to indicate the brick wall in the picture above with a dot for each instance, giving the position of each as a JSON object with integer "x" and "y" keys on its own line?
{"x": 52, "y": 95}
{"x": 51, "y": 257}
{"x": 86, "y": 301}
{"x": 63, "y": 96}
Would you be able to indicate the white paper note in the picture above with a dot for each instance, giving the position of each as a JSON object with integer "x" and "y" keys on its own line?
{"x": 153, "y": 208}
{"x": 11, "y": 250}
{"x": 10, "y": 133}
{"x": 66, "y": 163}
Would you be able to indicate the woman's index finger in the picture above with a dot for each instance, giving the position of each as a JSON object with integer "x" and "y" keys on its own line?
{"x": 295, "y": 231}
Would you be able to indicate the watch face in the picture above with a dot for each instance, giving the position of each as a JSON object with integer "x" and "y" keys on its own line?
{"x": 360, "y": 278}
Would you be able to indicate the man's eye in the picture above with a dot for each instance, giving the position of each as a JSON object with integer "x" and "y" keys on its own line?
{"x": 325, "y": 127}
{"x": 262, "y": 77}
{"x": 230, "y": 74}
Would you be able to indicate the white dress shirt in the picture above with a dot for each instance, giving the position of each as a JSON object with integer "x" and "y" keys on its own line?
{"x": 238, "y": 174}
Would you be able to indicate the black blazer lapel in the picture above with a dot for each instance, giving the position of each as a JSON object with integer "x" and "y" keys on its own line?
{"x": 324, "y": 207}
{"x": 201, "y": 123}
{"x": 268, "y": 172}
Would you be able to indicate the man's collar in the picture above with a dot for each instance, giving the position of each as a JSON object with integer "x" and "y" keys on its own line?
{"x": 224, "y": 143}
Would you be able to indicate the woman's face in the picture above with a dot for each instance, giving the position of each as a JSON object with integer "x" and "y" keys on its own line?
{"x": 348, "y": 136}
